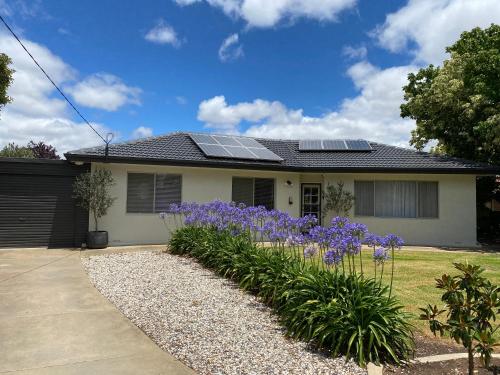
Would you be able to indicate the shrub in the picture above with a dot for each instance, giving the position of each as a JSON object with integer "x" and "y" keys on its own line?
{"x": 472, "y": 303}
{"x": 92, "y": 192}
{"x": 342, "y": 313}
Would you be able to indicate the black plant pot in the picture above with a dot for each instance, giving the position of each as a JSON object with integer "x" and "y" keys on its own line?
{"x": 97, "y": 239}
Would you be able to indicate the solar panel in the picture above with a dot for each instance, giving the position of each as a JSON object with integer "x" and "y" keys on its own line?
{"x": 241, "y": 152}
{"x": 226, "y": 141}
{"x": 233, "y": 147}
{"x": 310, "y": 144}
{"x": 214, "y": 150}
{"x": 358, "y": 145}
{"x": 334, "y": 144}
{"x": 265, "y": 154}
{"x": 203, "y": 138}
{"x": 249, "y": 142}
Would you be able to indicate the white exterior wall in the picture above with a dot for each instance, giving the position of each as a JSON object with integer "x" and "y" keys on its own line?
{"x": 455, "y": 226}
{"x": 198, "y": 185}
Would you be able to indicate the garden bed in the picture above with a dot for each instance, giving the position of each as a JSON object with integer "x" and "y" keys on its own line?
{"x": 204, "y": 320}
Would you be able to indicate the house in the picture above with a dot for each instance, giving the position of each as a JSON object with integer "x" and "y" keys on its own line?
{"x": 427, "y": 199}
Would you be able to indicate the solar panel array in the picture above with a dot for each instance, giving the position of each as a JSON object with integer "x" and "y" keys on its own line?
{"x": 225, "y": 146}
{"x": 334, "y": 145}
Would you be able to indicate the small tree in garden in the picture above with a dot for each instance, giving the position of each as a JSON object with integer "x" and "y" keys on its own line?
{"x": 14, "y": 151}
{"x": 338, "y": 200}
{"x": 41, "y": 150}
{"x": 471, "y": 302}
{"x": 92, "y": 192}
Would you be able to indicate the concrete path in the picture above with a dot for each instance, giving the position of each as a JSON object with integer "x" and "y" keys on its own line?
{"x": 53, "y": 321}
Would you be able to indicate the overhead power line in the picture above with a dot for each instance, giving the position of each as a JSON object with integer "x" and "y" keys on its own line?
{"x": 109, "y": 137}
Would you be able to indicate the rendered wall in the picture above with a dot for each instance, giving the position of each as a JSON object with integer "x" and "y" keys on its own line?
{"x": 455, "y": 226}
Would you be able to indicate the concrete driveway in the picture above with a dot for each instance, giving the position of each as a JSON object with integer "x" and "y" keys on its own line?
{"x": 53, "y": 321}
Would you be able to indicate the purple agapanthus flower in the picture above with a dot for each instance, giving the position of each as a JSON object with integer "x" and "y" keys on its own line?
{"x": 380, "y": 255}
{"x": 331, "y": 257}
{"x": 392, "y": 241}
{"x": 310, "y": 251}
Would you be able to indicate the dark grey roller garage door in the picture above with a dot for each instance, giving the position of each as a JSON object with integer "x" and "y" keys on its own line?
{"x": 36, "y": 204}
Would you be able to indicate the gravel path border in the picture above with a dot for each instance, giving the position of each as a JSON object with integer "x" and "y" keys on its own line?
{"x": 204, "y": 320}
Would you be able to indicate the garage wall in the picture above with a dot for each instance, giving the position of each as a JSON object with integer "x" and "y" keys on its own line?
{"x": 36, "y": 204}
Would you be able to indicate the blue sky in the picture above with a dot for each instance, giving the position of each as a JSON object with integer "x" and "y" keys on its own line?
{"x": 284, "y": 69}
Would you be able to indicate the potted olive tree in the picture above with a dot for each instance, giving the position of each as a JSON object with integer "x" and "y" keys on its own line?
{"x": 92, "y": 192}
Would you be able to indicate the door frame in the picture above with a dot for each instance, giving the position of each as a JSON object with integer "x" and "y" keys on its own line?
{"x": 316, "y": 184}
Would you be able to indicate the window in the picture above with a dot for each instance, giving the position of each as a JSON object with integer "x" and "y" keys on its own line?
{"x": 152, "y": 193}
{"x": 409, "y": 199}
{"x": 254, "y": 191}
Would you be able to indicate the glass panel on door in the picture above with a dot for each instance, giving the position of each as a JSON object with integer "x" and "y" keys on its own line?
{"x": 311, "y": 200}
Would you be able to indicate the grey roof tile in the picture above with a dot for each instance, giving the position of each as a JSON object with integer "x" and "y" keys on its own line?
{"x": 179, "y": 149}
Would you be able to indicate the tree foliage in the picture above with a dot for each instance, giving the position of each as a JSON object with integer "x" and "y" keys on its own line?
{"x": 337, "y": 200}
{"x": 5, "y": 79}
{"x": 92, "y": 192}
{"x": 14, "y": 151}
{"x": 458, "y": 104}
{"x": 32, "y": 150}
{"x": 42, "y": 150}
{"x": 472, "y": 303}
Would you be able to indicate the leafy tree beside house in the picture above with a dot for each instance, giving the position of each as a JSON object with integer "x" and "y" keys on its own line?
{"x": 33, "y": 150}
{"x": 91, "y": 190}
{"x": 14, "y": 151}
{"x": 458, "y": 104}
{"x": 5, "y": 79}
{"x": 337, "y": 200}
{"x": 42, "y": 150}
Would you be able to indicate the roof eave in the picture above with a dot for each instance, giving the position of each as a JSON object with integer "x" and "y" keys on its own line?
{"x": 278, "y": 167}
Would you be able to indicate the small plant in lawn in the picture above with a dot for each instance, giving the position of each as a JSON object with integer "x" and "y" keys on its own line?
{"x": 308, "y": 275}
{"x": 471, "y": 305}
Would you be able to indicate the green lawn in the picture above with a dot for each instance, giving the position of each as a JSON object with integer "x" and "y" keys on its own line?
{"x": 416, "y": 271}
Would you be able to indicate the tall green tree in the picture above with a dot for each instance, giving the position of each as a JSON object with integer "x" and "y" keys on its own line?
{"x": 5, "y": 79}
{"x": 14, "y": 151}
{"x": 458, "y": 104}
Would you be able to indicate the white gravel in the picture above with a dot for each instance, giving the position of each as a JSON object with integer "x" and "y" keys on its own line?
{"x": 202, "y": 319}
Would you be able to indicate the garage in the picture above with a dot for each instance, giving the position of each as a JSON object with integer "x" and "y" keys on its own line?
{"x": 36, "y": 204}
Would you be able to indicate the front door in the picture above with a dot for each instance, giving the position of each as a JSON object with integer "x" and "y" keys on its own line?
{"x": 311, "y": 200}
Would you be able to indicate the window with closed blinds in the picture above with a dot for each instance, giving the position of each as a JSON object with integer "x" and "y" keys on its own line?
{"x": 152, "y": 193}
{"x": 403, "y": 199}
{"x": 140, "y": 192}
{"x": 167, "y": 191}
{"x": 364, "y": 193}
{"x": 428, "y": 199}
{"x": 243, "y": 191}
{"x": 253, "y": 191}
{"x": 264, "y": 192}
{"x": 395, "y": 199}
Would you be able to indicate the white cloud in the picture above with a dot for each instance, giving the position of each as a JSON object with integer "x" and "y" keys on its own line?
{"x": 230, "y": 49}
{"x": 142, "y": 132}
{"x": 355, "y": 52}
{"x": 373, "y": 114}
{"x": 186, "y": 2}
{"x": 104, "y": 91}
{"x": 63, "y": 31}
{"x": 36, "y": 111}
{"x": 163, "y": 33}
{"x": 434, "y": 24}
{"x": 181, "y": 100}
{"x": 429, "y": 25}
{"x": 266, "y": 13}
